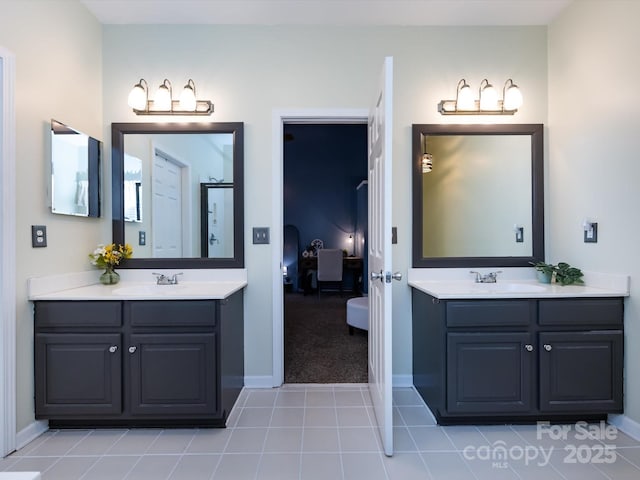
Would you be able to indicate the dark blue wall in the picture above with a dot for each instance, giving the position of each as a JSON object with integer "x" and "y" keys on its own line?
{"x": 323, "y": 165}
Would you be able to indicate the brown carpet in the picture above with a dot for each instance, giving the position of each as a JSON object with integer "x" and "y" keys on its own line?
{"x": 318, "y": 347}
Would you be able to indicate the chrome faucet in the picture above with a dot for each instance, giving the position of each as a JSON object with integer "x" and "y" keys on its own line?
{"x": 491, "y": 277}
{"x": 162, "y": 279}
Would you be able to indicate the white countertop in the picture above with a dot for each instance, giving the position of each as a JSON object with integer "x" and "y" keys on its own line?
{"x": 139, "y": 285}
{"x": 458, "y": 283}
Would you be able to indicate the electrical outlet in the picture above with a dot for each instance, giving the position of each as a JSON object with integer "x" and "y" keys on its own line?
{"x": 38, "y": 236}
{"x": 394, "y": 235}
{"x": 142, "y": 237}
{"x": 260, "y": 235}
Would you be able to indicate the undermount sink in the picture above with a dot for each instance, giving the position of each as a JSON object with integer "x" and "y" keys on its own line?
{"x": 151, "y": 289}
{"x": 471, "y": 288}
{"x": 505, "y": 287}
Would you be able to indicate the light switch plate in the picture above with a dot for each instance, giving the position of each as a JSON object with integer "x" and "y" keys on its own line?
{"x": 142, "y": 237}
{"x": 260, "y": 235}
{"x": 38, "y": 236}
{"x": 591, "y": 236}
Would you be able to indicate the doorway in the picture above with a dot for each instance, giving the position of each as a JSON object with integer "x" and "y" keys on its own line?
{"x": 323, "y": 165}
{"x": 280, "y": 118}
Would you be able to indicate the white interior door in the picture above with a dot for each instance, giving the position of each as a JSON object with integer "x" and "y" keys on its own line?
{"x": 380, "y": 369}
{"x": 166, "y": 208}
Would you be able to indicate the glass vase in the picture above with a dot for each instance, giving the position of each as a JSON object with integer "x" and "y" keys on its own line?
{"x": 109, "y": 277}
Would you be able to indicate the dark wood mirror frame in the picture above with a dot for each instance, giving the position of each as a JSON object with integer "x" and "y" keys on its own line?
{"x": 537, "y": 191}
{"x": 118, "y": 132}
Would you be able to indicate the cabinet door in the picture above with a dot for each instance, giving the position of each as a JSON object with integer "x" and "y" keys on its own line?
{"x": 173, "y": 374}
{"x": 489, "y": 372}
{"x": 581, "y": 371}
{"x": 77, "y": 374}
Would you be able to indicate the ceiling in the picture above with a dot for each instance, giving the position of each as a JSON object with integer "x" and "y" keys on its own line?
{"x": 327, "y": 12}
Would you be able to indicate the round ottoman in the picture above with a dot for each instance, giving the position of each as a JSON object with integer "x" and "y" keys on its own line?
{"x": 358, "y": 313}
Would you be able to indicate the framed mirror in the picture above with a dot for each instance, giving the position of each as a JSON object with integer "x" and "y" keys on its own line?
{"x": 159, "y": 172}
{"x": 75, "y": 172}
{"x": 478, "y": 195}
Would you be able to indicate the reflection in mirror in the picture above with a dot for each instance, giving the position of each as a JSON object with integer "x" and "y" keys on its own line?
{"x": 159, "y": 174}
{"x": 132, "y": 189}
{"x": 480, "y": 202}
{"x": 75, "y": 172}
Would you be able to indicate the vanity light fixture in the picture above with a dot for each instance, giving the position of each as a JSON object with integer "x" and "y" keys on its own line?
{"x": 487, "y": 103}
{"x": 427, "y": 159}
{"x": 427, "y": 162}
{"x": 163, "y": 103}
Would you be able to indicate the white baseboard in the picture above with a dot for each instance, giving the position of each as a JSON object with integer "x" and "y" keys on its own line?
{"x": 266, "y": 381}
{"x": 258, "y": 381}
{"x": 31, "y": 432}
{"x": 626, "y": 425}
{"x": 403, "y": 381}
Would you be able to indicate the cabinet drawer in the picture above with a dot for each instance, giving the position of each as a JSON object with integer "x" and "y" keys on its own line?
{"x": 583, "y": 312}
{"x": 77, "y": 314}
{"x": 487, "y": 313}
{"x": 177, "y": 313}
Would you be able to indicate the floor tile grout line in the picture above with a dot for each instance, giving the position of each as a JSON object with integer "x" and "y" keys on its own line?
{"x": 266, "y": 436}
{"x": 60, "y": 457}
{"x": 459, "y": 453}
{"x": 340, "y": 452}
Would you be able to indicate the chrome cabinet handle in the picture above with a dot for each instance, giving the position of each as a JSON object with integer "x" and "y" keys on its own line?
{"x": 132, "y": 349}
{"x": 547, "y": 347}
{"x": 528, "y": 347}
{"x": 113, "y": 349}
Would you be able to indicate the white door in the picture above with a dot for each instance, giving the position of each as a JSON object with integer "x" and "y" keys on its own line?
{"x": 166, "y": 208}
{"x": 380, "y": 374}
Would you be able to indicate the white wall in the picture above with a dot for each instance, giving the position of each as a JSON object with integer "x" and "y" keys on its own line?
{"x": 250, "y": 71}
{"x": 593, "y": 165}
{"x": 58, "y": 75}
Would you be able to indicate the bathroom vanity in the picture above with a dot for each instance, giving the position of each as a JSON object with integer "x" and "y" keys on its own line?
{"x": 139, "y": 354}
{"x": 517, "y": 351}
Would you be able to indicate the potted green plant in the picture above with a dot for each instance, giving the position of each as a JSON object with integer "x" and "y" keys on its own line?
{"x": 568, "y": 275}
{"x": 563, "y": 273}
{"x": 544, "y": 271}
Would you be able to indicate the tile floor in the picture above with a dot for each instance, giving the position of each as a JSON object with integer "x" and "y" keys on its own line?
{"x": 326, "y": 432}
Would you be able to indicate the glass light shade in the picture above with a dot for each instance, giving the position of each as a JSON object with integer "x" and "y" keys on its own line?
{"x": 137, "y": 98}
{"x": 488, "y": 98}
{"x": 512, "y": 98}
{"x": 162, "y": 100}
{"x": 188, "y": 99}
{"x": 427, "y": 163}
{"x": 465, "y": 99}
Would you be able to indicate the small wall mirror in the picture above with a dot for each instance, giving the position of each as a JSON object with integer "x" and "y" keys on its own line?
{"x": 75, "y": 172}
{"x": 178, "y": 194}
{"x": 477, "y": 195}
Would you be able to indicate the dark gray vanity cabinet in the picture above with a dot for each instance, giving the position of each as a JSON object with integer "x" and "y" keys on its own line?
{"x": 144, "y": 362}
{"x": 518, "y": 359}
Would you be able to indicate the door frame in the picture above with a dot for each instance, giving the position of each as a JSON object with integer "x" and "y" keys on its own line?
{"x": 279, "y": 118}
{"x": 8, "y": 252}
